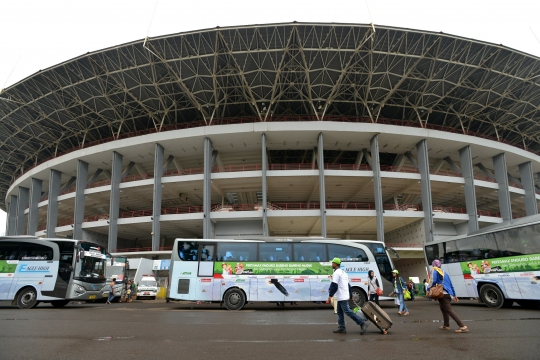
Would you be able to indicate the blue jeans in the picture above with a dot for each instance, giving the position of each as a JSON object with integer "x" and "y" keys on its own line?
{"x": 343, "y": 307}
{"x": 111, "y": 296}
{"x": 402, "y": 306}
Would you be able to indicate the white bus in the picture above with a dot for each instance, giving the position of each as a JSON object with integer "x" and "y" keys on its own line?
{"x": 499, "y": 264}
{"x": 57, "y": 271}
{"x": 234, "y": 272}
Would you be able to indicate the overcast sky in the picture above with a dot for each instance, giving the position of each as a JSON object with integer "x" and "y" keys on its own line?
{"x": 37, "y": 34}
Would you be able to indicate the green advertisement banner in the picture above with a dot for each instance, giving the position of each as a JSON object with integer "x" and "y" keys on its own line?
{"x": 507, "y": 264}
{"x": 226, "y": 268}
{"x": 6, "y": 268}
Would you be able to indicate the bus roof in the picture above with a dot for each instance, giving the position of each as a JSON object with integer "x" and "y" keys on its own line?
{"x": 509, "y": 224}
{"x": 278, "y": 239}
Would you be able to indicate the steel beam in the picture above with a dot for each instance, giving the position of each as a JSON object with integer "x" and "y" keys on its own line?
{"x": 80, "y": 198}
{"x": 114, "y": 207}
{"x": 501, "y": 175}
{"x": 467, "y": 171}
{"x": 159, "y": 154}
{"x": 377, "y": 187}
{"x": 33, "y": 209}
{"x": 264, "y": 186}
{"x": 527, "y": 181}
{"x": 12, "y": 216}
{"x": 22, "y": 203}
{"x": 52, "y": 208}
{"x": 207, "y": 188}
{"x": 322, "y": 193}
{"x": 425, "y": 187}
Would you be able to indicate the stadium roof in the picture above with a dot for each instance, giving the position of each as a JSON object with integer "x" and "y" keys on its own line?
{"x": 263, "y": 72}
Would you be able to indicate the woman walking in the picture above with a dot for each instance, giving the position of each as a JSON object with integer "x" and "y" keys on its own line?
{"x": 439, "y": 277}
{"x": 373, "y": 285}
{"x": 399, "y": 290}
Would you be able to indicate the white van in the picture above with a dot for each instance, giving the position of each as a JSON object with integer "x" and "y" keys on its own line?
{"x": 147, "y": 287}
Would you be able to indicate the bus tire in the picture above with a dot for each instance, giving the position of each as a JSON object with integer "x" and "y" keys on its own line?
{"x": 27, "y": 298}
{"x": 59, "y": 303}
{"x": 492, "y": 296}
{"x": 234, "y": 299}
{"x": 359, "y": 296}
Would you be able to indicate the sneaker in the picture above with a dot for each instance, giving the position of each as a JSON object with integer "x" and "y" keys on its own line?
{"x": 340, "y": 331}
{"x": 363, "y": 327}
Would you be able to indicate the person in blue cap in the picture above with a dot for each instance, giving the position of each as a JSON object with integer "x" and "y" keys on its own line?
{"x": 341, "y": 289}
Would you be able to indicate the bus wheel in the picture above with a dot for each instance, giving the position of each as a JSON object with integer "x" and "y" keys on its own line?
{"x": 27, "y": 298}
{"x": 359, "y": 297}
{"x": 492, "y": 296}
{"x": 234, "y": 299}
{"x": 59, "y": 303}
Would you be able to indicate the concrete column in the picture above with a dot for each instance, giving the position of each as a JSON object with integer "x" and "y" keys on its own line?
{"x": 264, "y": 186}
{"x": 467, "y": 171}
{"x": 156, "y": 208}
{"x": 527, "y": 181}
{"x": 207, "y": 188}
{"x": 377, "y": 188}
{"x": 33, "y": 210}
{"x": 12, "y": 216}
{"x": 22, "y": 203}
{"x": 425, "y": 187}
{"x": 114, "y": 207}
{"x": 501, "y": 175}
{"x": 52, "y": 207}
{"x": 80, "y": 199}
{"x": 322, "y": 192}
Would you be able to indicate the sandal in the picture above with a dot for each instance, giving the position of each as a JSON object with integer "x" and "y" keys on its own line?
{"x": 462, "y": 330}
{"x": 405, "y": 313}
{"x": 444, "y": 327}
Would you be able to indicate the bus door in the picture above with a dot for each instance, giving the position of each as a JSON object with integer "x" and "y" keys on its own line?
{"x": 9, "y": 254}
{"x": 205, "y": 273}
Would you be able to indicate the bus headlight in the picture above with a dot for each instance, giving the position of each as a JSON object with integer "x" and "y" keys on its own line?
{"x": 79, "y": 290}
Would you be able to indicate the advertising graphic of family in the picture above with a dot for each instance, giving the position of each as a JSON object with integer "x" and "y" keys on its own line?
{"x": 228, "y": 270}
{"x": 485, "y": 267}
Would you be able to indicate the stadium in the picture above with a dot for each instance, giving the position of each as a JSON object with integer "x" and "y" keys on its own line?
{"x": 345, "y": 131}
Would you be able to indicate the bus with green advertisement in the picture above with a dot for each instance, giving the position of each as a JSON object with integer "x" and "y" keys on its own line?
{"x": 236, "y": 272}
{"x": 55, "y": 271}
{"x": 499, "y": 264}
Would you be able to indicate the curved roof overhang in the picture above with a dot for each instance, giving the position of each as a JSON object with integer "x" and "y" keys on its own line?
{"x": 261, "y": 72}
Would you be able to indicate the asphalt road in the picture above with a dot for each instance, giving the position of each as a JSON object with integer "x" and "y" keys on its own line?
{"x": 157, "y": 330}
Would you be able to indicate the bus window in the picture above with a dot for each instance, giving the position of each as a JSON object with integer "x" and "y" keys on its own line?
{"x": 472, "y": 248}
{"x": 450, "y": 252}
{"x": 531, "y": 239}
{"x": 433, "y": 253}
{"x": 37, "y": 252}
{"x": 384, "y": 267}
{"x": 208, "y": 252}
{"x": 310, "y": 252}
{"x": 9, "y": 251}
{"x": 346, "y": 253}
{"x": 187, "y": 250}
{"x": 275, "y": 252}
{"x": 236, "y": 251}
{"x": 509, "y": 242}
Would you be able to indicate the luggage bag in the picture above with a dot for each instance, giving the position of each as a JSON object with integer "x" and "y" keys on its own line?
{"x": 377, "y": 316}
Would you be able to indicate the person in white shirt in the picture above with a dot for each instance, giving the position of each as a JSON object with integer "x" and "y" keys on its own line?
{"x": 340, "y": 288}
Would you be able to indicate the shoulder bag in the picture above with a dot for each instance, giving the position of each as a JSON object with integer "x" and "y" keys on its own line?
{"x": 437, "y": 291}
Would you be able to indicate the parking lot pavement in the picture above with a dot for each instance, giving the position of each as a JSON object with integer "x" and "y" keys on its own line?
{"x": 155, "y": 329}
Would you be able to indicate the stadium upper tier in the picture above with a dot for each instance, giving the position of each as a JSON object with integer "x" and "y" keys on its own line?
{"x": 265, "y": 73}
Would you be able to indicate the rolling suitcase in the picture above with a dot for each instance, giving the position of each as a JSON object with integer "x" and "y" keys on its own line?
{"x": 377, "y": 316}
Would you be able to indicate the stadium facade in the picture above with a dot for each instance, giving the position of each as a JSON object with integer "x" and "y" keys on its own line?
{"x": 300, "y": 129}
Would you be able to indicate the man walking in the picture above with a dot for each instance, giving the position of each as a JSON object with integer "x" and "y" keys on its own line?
{"x": 340, "y": 288}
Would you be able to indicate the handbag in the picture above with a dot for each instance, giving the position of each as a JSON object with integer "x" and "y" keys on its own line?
{"x": 396, "y": 301}
{"x": 437, "y": 291}
{"x": 378, "y": 291}
{"x": 407, "y": 295}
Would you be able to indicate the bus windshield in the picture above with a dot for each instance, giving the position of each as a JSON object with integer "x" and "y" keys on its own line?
{"x": 91, "y": 266}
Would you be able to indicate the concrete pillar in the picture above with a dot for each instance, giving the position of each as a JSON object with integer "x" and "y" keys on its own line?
{"x": 52, "y": 207}
{"x": 80, "y": 199}
{"x": 207, "y": 188}
{"x": 425, "y": 187}
{"x": 467, "y": 171}
{"x": 156, "y": 208}
{"x": 527, "y": 181}
{"x": 12, "y": 216}
{"x": 264, "y": 186}
{"x": 22, "y": 203}
{"x": 114, "y": 207}
{"x": 322, "y": 193}
{"x": 33, "y": 210}
{"x": 501, "y": 175}
{"x": 377, "y": 187}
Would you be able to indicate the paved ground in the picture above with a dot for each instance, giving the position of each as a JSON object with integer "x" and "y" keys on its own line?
{"x": 157, "y": 330}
